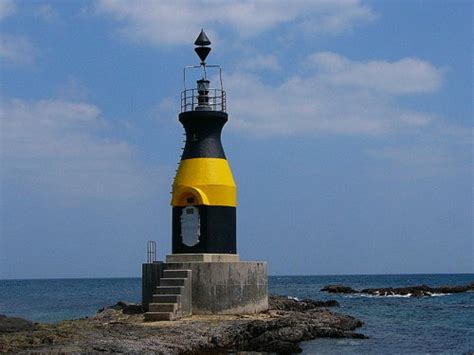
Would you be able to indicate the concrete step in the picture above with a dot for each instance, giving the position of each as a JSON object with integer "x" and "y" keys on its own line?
{"x": 176, "y": 273}
{"x": 158, "y": 316}
{"x": 163, "y": 307}
{"x": 172, "y": 282}
{"x": 166, "y": 298}
{"x": 169, "y": 290}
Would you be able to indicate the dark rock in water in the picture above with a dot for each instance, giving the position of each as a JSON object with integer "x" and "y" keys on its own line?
{"x": 412, "y": 291}
{"x": 14, "y": 324}
{"x": 290, "y": 304}
{"x": 338, "y": 289}
{"x": 125, "y": 307}
{"x": 454, "y": 289}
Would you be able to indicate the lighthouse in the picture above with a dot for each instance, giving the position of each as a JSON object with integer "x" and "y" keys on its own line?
{"x": 204, "y": 196}
{"x": 203, "y": 274}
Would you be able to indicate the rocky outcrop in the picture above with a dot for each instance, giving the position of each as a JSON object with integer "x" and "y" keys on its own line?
{"x": 287, "y": 323}
{"x": 338, "y": 289}
{"x": 125, "y": 307}
{"x": 291, "y": 304}
{"x": 14, "y": 324}
{"x": 284, "y": 333}
{"x": 411, "y": 291}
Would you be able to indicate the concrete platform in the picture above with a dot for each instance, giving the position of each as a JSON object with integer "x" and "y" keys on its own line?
{"x": 226, "y": 287}
{"x": 185, "y": 258}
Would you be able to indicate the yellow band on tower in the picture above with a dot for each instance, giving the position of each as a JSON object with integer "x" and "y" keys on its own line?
{"x": 208, "y": 180}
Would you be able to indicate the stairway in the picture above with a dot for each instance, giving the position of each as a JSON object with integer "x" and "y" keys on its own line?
{"x": 172, "y": 299}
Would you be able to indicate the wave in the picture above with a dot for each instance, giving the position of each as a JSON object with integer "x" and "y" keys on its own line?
{"x": 380, "y": 296}
{"x": 348, "y": 342}
{"x": 408, "y": 295}
{"x": 439, "y": 294}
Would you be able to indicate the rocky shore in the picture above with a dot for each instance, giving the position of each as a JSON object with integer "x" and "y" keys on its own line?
{"x": 411, "y": 291}
{"x": 121, "y": 328}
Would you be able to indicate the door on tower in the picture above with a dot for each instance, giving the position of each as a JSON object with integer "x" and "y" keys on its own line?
{"x": 190, "y": 226}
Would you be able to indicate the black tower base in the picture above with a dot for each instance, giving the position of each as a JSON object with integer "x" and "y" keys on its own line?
{"x": 217, "y": 231}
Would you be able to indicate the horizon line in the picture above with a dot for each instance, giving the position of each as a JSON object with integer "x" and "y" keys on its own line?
{"x": 288, "y": 275}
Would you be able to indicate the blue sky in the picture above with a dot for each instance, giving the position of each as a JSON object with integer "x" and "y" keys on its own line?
{"x": 350, "y": 132}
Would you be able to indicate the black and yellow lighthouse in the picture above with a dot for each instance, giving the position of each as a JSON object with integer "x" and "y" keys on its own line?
{"x": 204, "y": 273}
{"x": 204, "y": 196}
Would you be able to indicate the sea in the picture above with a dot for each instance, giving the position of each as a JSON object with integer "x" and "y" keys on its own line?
{"x": 441, "y": 324}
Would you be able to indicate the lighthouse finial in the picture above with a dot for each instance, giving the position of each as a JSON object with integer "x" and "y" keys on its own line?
{"x": 202, "y": 41}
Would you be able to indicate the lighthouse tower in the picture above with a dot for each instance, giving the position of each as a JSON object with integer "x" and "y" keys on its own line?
{"x": 204, "y": 273}
{"x": 204, "y": 196}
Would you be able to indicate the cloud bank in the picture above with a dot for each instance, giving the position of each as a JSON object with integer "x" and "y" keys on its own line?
{"x": 55, "y": 147}
{"x": 158, "y": 23}
{"x": 334, "y": 95}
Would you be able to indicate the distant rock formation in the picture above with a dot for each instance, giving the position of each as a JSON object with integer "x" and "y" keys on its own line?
{"x": 338, "y": 289}
{"x": 294, "y": 305}
{"x": 410, "y": 291}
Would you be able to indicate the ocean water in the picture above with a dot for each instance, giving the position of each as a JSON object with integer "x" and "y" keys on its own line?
{"x": 395, "y": 325}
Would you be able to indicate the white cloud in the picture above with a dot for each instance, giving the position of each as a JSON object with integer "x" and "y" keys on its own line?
{"x": 323, "y": 101}
{"x": 16, "y": 50}
{"x": 336, "y": 16}
{"x": 54, "y": 146}
{"x": 7, "y": 8}
{"x": 405, "y": 76}
{"x": 174, "y": 22}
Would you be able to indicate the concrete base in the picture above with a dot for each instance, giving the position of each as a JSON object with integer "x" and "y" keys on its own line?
{"x": 151, "y": 275}
{"x": 185, "y": 258}
{"x": 226, "y": 287}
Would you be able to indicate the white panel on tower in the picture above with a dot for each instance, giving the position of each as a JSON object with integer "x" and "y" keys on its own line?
{"x": 190, "y": 226}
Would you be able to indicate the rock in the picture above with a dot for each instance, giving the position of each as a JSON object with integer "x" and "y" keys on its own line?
{"x": 454, "y": 289}
{"x": 289, "y": 304}
{"x": 125, "y": 307}
{"x": 338, "y": 289}
{"x": 14, "y": 324}
{"x": 133, "y": 308}
{"x": 412, "y": 291}
{"x": 283, "y": 334}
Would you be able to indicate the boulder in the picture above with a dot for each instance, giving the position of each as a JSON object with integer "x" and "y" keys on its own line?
{"x": 125, "y": 307}
{"x": 14, "y": 324}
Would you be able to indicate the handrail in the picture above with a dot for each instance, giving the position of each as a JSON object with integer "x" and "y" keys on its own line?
{"x": 216, "y": 102}
{"x": 151, "y": 251}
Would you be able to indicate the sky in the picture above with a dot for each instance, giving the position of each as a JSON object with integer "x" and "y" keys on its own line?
{"x": 349, "y": 133}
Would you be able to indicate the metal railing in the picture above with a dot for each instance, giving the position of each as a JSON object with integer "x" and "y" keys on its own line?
{"x": 215, "y": 100}
{"x": 151, "y": 252}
